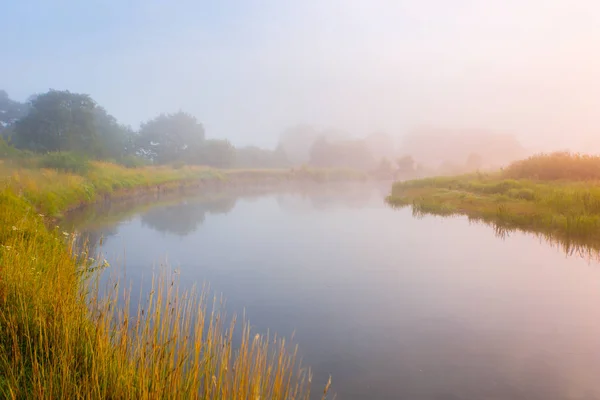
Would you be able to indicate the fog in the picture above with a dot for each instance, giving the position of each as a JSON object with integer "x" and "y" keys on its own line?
{"x": 250, "y": 69}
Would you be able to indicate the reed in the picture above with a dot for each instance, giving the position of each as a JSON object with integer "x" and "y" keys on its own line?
{"x": 524, "y": 196}
{"x": 61, "y": 337}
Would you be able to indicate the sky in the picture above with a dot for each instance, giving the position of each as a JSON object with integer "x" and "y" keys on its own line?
{"x": 248, "y": 69}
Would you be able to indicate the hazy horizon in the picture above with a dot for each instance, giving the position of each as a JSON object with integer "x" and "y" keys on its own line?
{"x": 249, "y": 70}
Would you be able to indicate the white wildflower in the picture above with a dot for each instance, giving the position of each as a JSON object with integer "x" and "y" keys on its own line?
{"x": 14, "y": 228}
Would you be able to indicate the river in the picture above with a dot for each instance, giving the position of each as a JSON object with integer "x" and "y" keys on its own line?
{"x": 392, "y": 306}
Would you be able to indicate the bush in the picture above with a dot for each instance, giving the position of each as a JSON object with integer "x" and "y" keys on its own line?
{"x": 68, "y": 162}
{"x": 133, "y": 162}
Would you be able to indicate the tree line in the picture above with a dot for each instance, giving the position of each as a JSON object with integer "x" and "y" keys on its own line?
{"x": 63, "y": 121}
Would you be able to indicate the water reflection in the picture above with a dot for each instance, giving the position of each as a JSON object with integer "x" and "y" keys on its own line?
{"x": 186, "y": 216}
{"x": 390, "y": 305}
{"x": 570, "y": 245}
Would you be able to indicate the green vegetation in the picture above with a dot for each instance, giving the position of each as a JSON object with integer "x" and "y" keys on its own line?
{"x": 59, "y": 339}
{"x": 556, "y": 195}
{"x": 60, "y": 121}
{"x": 68, "y": 162}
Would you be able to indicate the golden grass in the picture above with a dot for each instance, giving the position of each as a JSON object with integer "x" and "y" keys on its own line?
{"x": 556, "y": 166}
{"x": 60, "y": 339}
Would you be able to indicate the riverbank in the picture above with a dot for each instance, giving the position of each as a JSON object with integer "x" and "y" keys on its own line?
{"x": 59, "y": 340}
{"x": 53, "y": 192}
{"x": 547, "y": 194}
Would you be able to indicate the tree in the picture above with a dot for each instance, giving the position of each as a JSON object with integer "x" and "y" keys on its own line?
{"x": 114, "y": 139}
{"x": 381, "y": 145}
{"x": 255, "y": 157}
{"x": 297, "y": 141}
{"x": 385, "y": 169}
{"x": 58, "y": 121}
{"x": 171, "y": 137}
{"x": 10, "y": 112}
{"x": 406, "y": 165}
{"x": 341, "y": 154}
{"x": 215, "y": 153}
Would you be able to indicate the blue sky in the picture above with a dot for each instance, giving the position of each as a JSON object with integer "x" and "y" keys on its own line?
{"x": 248, "y": 69}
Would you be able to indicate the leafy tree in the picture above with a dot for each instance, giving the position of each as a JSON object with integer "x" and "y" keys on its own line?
{"x": 58, "y": 121}
{"x": 255, "y": 157}
{"x": 114, "y": 140}
{"x": 385, "y": 169}
{"x": 406, "y": 164}
{"x": 215, "y": 153}
{"x": 10, "y": 112}
{"x": 171, "y": 137}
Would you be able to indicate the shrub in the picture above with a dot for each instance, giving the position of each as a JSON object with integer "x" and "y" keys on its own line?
{"x": 68, "y": 162}
{"x": 133, "y": 162}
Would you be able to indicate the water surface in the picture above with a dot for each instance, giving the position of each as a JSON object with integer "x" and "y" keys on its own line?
{"x": 392, "y": 306}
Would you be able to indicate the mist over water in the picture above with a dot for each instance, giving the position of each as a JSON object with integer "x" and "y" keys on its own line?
{"x": 390, "y": 305}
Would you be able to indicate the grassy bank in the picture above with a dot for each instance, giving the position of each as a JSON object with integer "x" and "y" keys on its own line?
{"x": 557, "y": 195}
{"x": 52, "y": 191}
{"x": 59, "y": 340}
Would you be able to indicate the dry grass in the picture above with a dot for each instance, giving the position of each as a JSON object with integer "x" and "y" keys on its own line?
{"x": 60, "y": 339}
{"x": 556, "y": 166}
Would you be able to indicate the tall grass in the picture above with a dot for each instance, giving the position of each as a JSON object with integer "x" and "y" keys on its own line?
{"x": 566, "y": 210}
{"x": 60, "y": 339}
{"x": 65, "y": 161}
{"x": 556, "y": 166}
{"x": 52, "y": 191}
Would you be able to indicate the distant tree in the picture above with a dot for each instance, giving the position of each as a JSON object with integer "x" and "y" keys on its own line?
{"x": 10, "y": 112}
{"x": 406, "y": 165}
{"x": 255, "y": 157}
{"x": 381, "y": 145}
{"x": 114, "y": 140}
{"x": 474, "y": 162}
{"x": 385, "y": 167}
{"x": 215, "y": 153}
{"x": 297, "y": 141}
{"x": 341, "y": 154}
{"x": 321, "y": 153}
{"x": 58, "y": 121}
{"x": 171, "y": 137}
{"x": 433, "y": 146}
